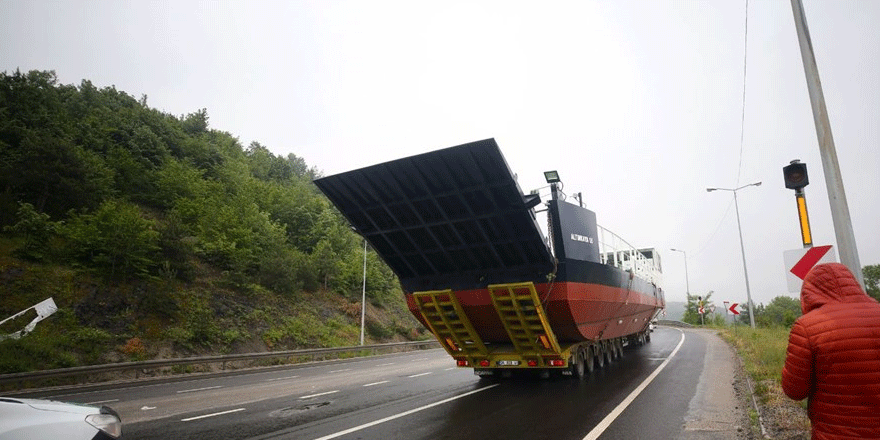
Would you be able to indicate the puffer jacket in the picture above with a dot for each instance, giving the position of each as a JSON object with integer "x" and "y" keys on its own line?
{"x": 834, "y": 355}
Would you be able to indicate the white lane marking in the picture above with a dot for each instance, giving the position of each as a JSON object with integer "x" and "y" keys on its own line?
{"x": 147, "y": 408}
{"x": 403, "y": 414}
{"x": 420, "y": 359}
{"x": 606, "y": 422}
{"x": 375, "y": 383}
{"x": 102, "y": 401}
{"x": 319, "y": 394}
{"x": 212, "y": 415}
{"x": 385, "y": 365}
{"x": 339, "y": 371}
{"x": 451, "y": 368}
{"x": 199, "y": 389}
{"x": 281, "y": 378}
{"x": 422, "y": 374}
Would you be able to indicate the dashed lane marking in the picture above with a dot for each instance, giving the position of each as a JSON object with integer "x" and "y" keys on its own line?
{"x": 375, "y": 383}
{"x": 403, "y": 414}
{"x": 199, "y": 389}
{"x": 421, "y": 374}
{"x": 319, "y": 394}
{"x": 212, "y": 415}
{"x": 281, "y": 378}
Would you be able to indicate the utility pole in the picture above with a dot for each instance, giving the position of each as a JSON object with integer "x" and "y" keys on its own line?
{"x": 843, "y": 231}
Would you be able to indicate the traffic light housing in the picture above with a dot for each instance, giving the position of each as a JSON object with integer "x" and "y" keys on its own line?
{"x": 795, "y": 175}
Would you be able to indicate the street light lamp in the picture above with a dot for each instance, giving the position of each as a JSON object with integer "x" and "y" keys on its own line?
{"x": 686, "y": 280}
{"x": 741, "y": 247}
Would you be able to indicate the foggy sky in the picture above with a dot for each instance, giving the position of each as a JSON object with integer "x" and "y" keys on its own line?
{"x": 639, "y": 105}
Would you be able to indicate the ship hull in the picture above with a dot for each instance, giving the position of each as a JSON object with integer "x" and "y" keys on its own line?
{"x": 604, "y": 303}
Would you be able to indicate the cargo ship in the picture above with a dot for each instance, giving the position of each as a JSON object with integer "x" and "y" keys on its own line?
{"x": 478, "y": 271}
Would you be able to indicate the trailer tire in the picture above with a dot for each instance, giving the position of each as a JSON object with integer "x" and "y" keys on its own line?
{"x": 600, "y": 356}
{"x": 589, "y": 359}
{"x": 606, "y": 351}
{"x": 577, "y": 366}
{"x": 619, "y": 345}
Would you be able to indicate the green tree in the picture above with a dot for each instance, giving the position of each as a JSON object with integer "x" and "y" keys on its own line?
{"x": 692, "y": 308}
{"x": 871, "y": 275}
{"x": 781, "y": 311}
{"x": 37, "y": 230}
{"x": 115, "y": 238}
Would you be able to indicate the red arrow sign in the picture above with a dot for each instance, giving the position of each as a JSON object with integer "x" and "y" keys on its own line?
{"x": 733, "y": 308}
{"x": 701, "y": 310}
{"x": 809, "y": 260}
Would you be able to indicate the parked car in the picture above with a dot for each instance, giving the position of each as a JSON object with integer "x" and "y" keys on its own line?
{"x": 33, "y": 419}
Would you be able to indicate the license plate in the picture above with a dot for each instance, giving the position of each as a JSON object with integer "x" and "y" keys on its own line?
{"x": 508, "y": 363}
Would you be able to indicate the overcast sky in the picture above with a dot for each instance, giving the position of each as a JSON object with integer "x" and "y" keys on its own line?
{"x": 638, "y": 104}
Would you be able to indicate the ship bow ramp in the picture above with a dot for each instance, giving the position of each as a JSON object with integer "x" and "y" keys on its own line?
{"x": 449, "y": 219}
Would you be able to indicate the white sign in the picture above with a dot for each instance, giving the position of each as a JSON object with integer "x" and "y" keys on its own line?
{"x": 799, "y": 261}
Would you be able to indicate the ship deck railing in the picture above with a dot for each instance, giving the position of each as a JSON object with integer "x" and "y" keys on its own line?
{"x": 617, "y": 252}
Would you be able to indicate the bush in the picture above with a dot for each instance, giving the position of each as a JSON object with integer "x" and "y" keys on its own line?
{"x": 115, "y": 238}
{"x": 36, "y": 229}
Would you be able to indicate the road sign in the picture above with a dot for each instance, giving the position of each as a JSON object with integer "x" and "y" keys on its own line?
{"x": 733, "y": 309}
{"x": 799, "y": 261}
{"x": 701, "y": 310}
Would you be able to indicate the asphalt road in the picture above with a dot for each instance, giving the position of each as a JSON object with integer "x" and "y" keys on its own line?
{"x": 678, "y": 386}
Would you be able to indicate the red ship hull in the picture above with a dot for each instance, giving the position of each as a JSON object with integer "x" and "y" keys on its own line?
{"x": 576, "y": 311}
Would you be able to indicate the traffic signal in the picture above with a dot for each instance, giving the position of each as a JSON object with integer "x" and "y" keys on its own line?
{"x": 795, "y": 175}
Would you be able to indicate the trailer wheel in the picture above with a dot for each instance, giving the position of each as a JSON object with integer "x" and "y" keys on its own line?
{"x": 648, "y": 337}
{"x": 600, "y": 356}
{"x": 612, "y": 349}
{"x": 619, "y": 345}
{"x": 577, "y": 366}
{"x": 589, "y": 359}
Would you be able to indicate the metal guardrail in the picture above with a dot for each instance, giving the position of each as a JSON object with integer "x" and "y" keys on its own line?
{"x": 159, "y": 363}
{"x": 671, "y": 323}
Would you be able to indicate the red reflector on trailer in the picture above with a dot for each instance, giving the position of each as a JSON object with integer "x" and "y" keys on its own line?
{"x": 533, "y": 363}
{"x": 484, "y": 363}
{"x": 556, "y": 363}
{"x": 462, "y": 363}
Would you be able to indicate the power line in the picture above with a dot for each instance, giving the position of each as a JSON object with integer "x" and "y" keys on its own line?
{"x": 742, "y": 123}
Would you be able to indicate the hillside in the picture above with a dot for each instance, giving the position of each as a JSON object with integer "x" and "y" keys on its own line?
{"x": 158, "y": 236}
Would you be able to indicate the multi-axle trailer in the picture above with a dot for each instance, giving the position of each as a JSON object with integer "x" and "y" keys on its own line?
{"x": 477, "y": 270}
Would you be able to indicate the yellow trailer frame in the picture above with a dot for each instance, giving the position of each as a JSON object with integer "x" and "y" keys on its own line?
{"x": 532, "y": 342}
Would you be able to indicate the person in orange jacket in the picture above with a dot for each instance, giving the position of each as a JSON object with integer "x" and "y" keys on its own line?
{"x": 834, "y": 355}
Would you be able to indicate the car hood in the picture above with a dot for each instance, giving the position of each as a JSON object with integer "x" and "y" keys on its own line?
{"x": 51, "y": 405}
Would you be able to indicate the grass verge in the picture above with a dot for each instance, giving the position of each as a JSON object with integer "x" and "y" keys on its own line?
{"x": 763, "y": 351}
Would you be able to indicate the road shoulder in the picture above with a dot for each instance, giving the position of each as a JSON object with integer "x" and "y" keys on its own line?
{"x": 720, "y": 407}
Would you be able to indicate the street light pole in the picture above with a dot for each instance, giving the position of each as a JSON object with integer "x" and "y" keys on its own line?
{"x": 741, "y": 246}
{"x": 364, "y": 294}
{"x": 686, "y": 280}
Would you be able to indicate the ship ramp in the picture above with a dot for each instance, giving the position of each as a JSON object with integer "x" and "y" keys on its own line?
{"x": 448, "y": 219}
